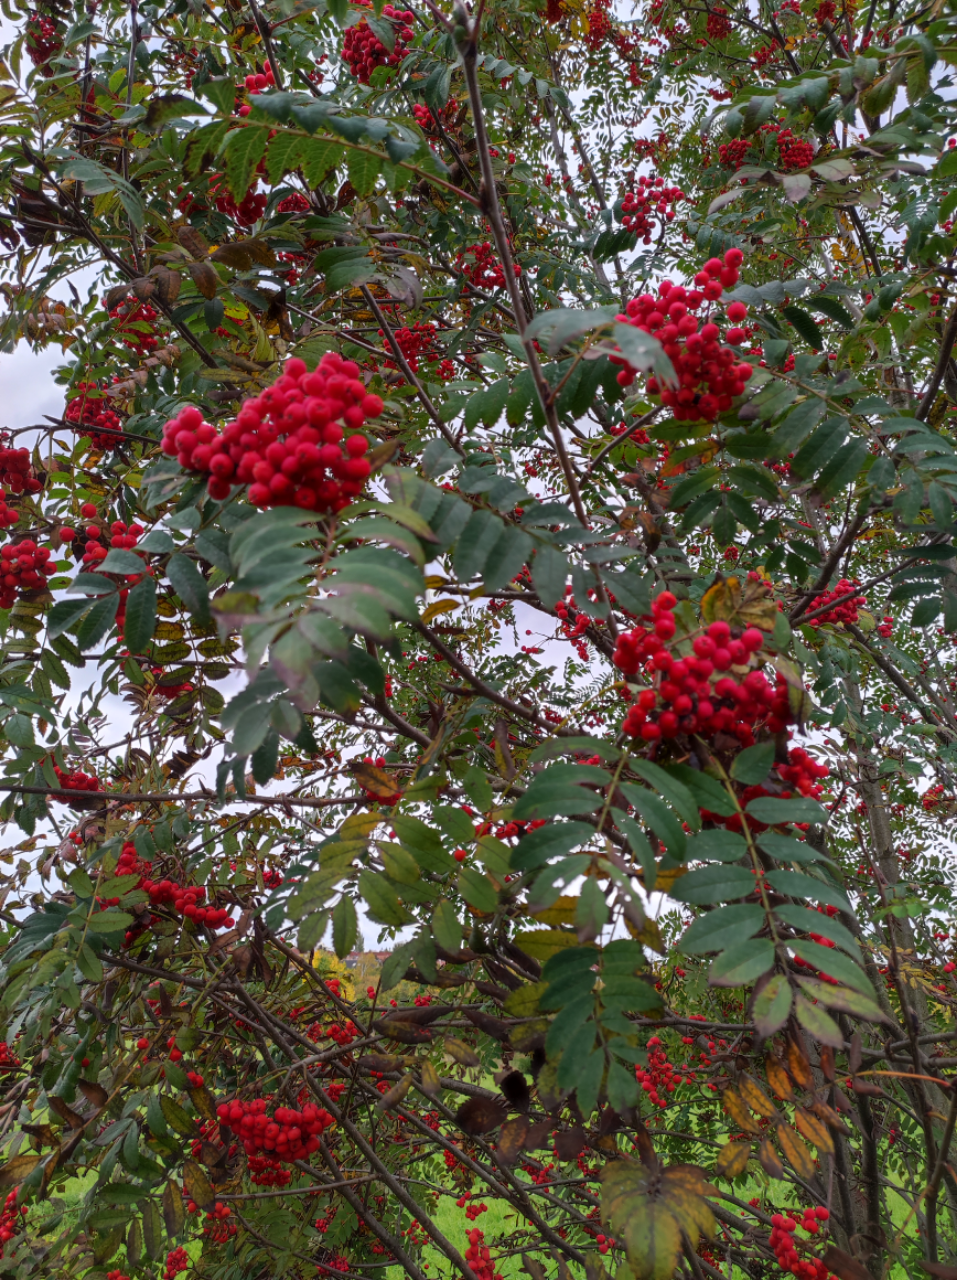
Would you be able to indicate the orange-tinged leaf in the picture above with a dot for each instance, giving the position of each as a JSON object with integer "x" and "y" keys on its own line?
{"x": 15, "y": 1170}
{"x": 512, "y": 1137}
{"x": 755, "y": 1097}
{"x": 795, "y": 1152}
{"x": 747, "y": 605}
{"x": 734, "y": 1107}
{"x": 732, "y": 1159}
{"x": 461, "y": 1052}
{"x": 376, "y": 781}
{"x": 778, "y": 1078}
{"x": 814, "y": 1129}
{"x": 798, "y": 1064}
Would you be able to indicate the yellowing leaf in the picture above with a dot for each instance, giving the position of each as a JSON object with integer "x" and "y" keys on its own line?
{"x": 648, "y": 1209}
{"x": 814, "y": 1130}
{"x": 755, "y": 1097}
{"x": 736, "y": 1110}
{"x": 795, "y": 1152}
{"x": 562, "y": 911}
{"x": 542, "y": 944}
{"x": 438, "y": 607}
{"x": 747, "y": 605}
{"x": 732, "y": 1159}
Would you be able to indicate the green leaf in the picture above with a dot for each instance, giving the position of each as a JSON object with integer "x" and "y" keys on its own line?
{"x": 753, "y": 764}
{"x": 63, "y": 615}
{"x": 475, "y": 544}
{"x": 659, "y": 817}
{"x": 818, "y": 1022}
{"x": 190, "y": 585}
{"x": 830, "y": 961}
{"x": 742, "y": 964}
{"x": 717, "y": 845}
{"x": 799, "y": 424}
{"x": 111, "y": 921}
{"x": 772, "y": 1005}
{"x": 808, "y": 921}
{"x": 364, "y": 169}
{"x": 244, "y": 149}
{"x": 675, "y": 792}
{"x": 446, "y": 928}
{"x": 842, "y": 469}
{"x": 381, "y": 899}
{"x": 345, "y": 926}
{"x": 97, "y": 622}
{"x": 799, "y": 885}
{"x": 716, "y": 883}
{"x": 775, "y": 812}
{"x": 394, "y": 969}
{"x": 806, "y": 326}
{"x": 140, "y": 624}
{"x": 721, "y": 928}
{"x": 477, "y": 890}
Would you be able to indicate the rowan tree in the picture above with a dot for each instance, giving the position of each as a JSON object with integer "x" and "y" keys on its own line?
{"x": 503, "y": 503}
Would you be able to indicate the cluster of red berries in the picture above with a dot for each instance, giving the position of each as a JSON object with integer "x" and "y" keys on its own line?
{"x": 415, "y": 343}
{"x": 169, "y": 691}
{"x": 287, "y": 1134}
{"x": 793, "y": 153}
{"x": 90, "y": 413}
{"x": 430, "y": 120}
{"x": 659, "y": 1077}
{"x": 364, "y": 51}
{"x": 247, "y": 211}
{"x": 932, "y": 797}
{"x": 573, "y": 624}
{"x": 684, "y": 699}
{"x": 10, "y": 1218}
{"x": 117, "y": 1274}
{"x": 176, "y": 1261}
{"x": 23, "y": 567}
{"x": 652, "y": 196}
{"x": 719, "y": 26}
{"x": 218, "y": 1224}
{"x": 16, "y": 471}
{"x": 826, "y": 12}
{"x": 136, "y": 325}
{"x": 782, "y": 1242}
{"x": 709, "y": 375}
{"x": 9, "y": 516}
{"x": 478, "y": 1257}
{"x": 846, "y": 602}
{"x": 286, "y": 443}
{"x": 472, "y": 1210}
{"x": 43, "y": 39}
{"x": 77, "y": 780}
{"x": 8, "y": 1059}
{"x": 254, "y": 85}
{"x": 266, "y": 1171}
{"x": 185, "y": 901}
{"x": 480, "y": 266}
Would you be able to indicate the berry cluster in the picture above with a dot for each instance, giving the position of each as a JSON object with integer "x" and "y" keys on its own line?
{"x": 478, "y": 1257}
{"x": 845, "y": 599}
{"x": 136, "y": 325}
{"x": 77, "y": 780}
{"x": 684, "y": 699}
{"x": 8, "y": 1059}
{"x": 10, "y": 1218}
{"x": 8, "y": 515}
{"x": 782, "y": 1242}
{"x": 415, "y": 344}
{"x": 364, "y": 51}
{"x": 247, "y": 211}
{"x": 176, "y": 1261}
{"x": 288, "y": 1135}
{"x": 254, "y": 85}
{"x": 792, "y": 153}
{"x": 16, "y": 472}
{"x": 484, "y": 270}
{"x": 266, "y": 1171}
{"x": 92, "y": 416}
{"x": 574, "y": 624}
{"x": 185, "y": 901}
{"x": 43, "y": 40}
{"x": 286, "y": 443}
{"x": 652, "y": 196}
{"x": 709, "y": 375}
{"x": 117, "y": 1274}
{"x": 659, "y": 1077}
{"x": 718, "y": 25}
{"x": 23, "y": 567}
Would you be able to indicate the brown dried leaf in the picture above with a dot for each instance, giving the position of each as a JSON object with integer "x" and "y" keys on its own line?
{"x": 734, "y": 1107}
{"x": 493, "y": 1027}
{"x": 855, "y": 1055}
{"x": 60, "y": 1108}
{"x": 205, "y": 278}
{"x": 404, "y": 1032}
{"x": 376, "y": 781}
{"x": 795, "y": 1152}
{"x": 461, "y": 1053}
{"x": 381, "y": 1062}
{"x": 198, "y": 1185}
{"x": 778, "y": 1078}
{"x": 202, "y": 1100}
{"x": 115, "y": 296}
{"x": 756, "y": 1098}
{"x": 732, "y": 1159}
{"x": 531, "y": 1266}
{"x": 843, "y": 1265}
{"x": 93, "y": 1092}
{"x": 383, "y": 453}
{"x": 570, "y": 1143}
{"x": 512, "y": 1138}
{"x": 827, "y": 1062}
{"x": 827, "y": 1114}
{"x": 939, "y": 1269}
{"x": 814, "y": 1130}
{"x": 260, "y": 251}
{"x": 480, "y": 1115}
{"x": 770, "y": 1163}
{"x": 539, "y": 1135}
{"x": 234, "y": 255}
{"x": 867, "y": 1088}
{"x": 168, "y": 284}
{"x": 192, "y": 241}
{"x": 516, "y": 1091}
{"x": 143, "y": 287}
{"x": 15, "y": 1170}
